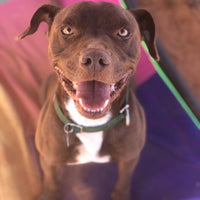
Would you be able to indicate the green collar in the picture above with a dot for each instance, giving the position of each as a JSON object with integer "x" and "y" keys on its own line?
{"x": 71, "y": 127}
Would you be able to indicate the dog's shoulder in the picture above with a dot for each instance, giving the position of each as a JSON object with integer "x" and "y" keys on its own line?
{"x": 48, "y": 88}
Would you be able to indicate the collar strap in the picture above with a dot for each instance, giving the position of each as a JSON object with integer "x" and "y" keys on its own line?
{"x": 71, "y": 127}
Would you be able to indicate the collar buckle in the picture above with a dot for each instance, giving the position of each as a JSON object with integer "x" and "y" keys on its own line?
{"x": 127, "y": 114}
{"x": 70, "y": 128}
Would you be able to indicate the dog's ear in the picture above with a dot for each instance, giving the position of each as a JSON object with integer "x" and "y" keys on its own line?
{"x": 45, "y": 13}
{"x": 147, "y": 29}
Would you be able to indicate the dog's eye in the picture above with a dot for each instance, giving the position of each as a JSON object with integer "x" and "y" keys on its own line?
{"x": 67, "y": 30}
{"x": 123, "y": 32}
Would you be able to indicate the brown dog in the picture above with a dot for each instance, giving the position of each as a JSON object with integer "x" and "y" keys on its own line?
{"x": 94, "y": 49}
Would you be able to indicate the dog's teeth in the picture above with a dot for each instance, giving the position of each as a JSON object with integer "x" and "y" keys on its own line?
{"x": 106, "y": 103}
{"x": 81, "y": 102}
{"x": 112, "y": 87}
{"x": 93, "y": 110}
{"x": 74, "y": 85}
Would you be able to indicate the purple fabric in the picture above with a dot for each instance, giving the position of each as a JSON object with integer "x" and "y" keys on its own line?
{"x": 170, "y": 162}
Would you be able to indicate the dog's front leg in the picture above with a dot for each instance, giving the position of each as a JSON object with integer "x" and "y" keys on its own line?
{"x": 50, "y": 189}
{"x": 122, "y": 187}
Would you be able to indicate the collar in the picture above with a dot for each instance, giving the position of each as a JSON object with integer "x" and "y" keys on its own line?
{"x": 71, "y": 127}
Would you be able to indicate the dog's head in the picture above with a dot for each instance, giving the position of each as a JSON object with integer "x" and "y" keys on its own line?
{"x": 94, "y": 48}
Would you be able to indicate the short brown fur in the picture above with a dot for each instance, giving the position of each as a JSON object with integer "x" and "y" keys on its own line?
{"x": 95, "y": 29}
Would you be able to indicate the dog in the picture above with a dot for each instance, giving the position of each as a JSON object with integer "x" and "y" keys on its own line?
{"x": 91, "y": 113}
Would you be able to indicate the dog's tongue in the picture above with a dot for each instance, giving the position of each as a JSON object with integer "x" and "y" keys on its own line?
{"x": 93, "y": 94}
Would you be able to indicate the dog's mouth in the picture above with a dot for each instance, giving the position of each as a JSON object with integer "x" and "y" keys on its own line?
{"x": 92, "y": 98}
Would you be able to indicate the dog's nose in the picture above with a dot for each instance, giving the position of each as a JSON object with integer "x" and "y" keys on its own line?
{"x": 94, "y": 59}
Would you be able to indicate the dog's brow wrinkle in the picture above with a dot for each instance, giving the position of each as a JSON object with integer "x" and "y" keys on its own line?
{"x": 68, "y": 21}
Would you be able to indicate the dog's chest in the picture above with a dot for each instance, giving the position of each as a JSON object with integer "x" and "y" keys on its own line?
{"x": 91, "y": 143}
{"x": 89, "y": 150}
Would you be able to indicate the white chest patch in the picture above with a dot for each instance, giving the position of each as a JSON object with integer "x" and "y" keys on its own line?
{"x": 91, "y": 142}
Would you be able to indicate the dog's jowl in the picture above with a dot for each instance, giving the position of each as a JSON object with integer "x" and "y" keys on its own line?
{"x": 90, "y": 112}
